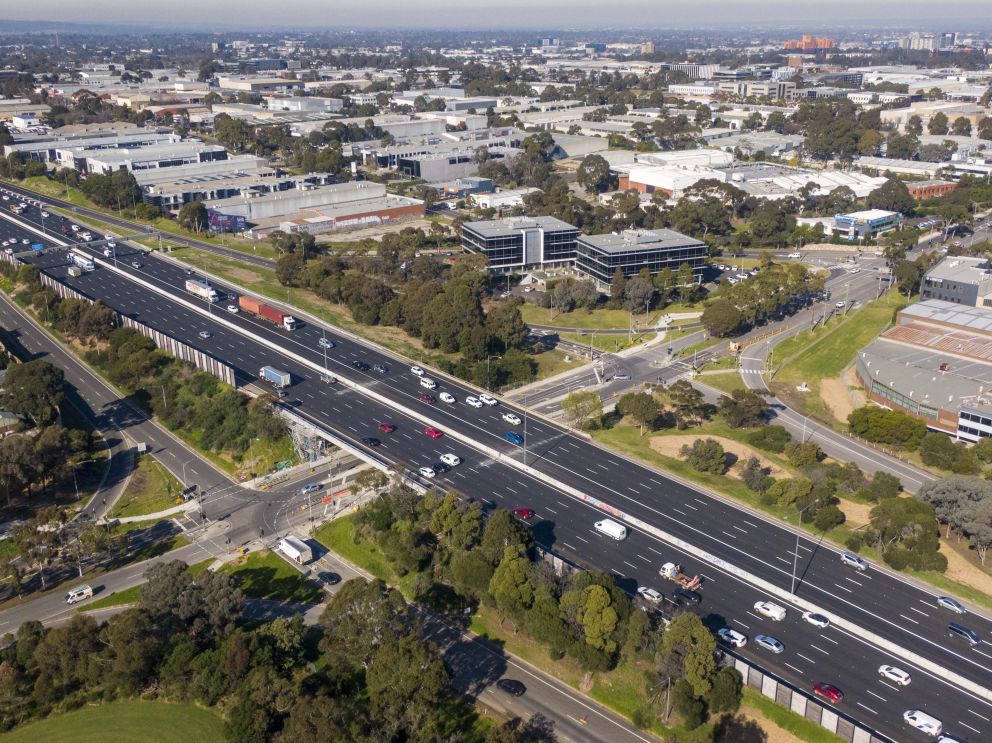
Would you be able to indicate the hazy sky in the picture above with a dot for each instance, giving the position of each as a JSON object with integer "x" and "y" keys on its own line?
{"x": 499, "y": 14}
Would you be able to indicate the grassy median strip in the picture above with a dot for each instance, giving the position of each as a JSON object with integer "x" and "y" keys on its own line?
{"x": 151, "y": 489}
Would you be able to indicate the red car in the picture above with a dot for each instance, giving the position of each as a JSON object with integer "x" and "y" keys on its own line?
{"x": 433, "y": 433}
{"x": 524, "y": 513}
{"x": 828, "y": 691}
{"x": 424, "y": 397}
{"x": 387, "y": 427}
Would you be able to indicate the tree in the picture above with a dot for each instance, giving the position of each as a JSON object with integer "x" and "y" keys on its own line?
{"x": 961, "y": 127}
{"x": 511, "y": 586}
{"x": 937, "y": 450}
{"x": 689, "y": 646}
{"x": 593, "y": 611}
{"x": 882, "y": 486}
{"x": 35, "y": 389}
{"x": 803, "y": 454}
{"x": 641, "y": 406}
{"x": 721, "y": 318}
{"x": 985, "y": 128}
{"x": 407, "y": 682}
{"x": 361, "y": 617}
{"x": 887, "y": 427}
{"x": 905, "y": 531}
{"x": 618, "y": 287}
{"x": 893, "y": 195}
{"x": 727, "y": 691}
{"x": 193, "y": 216}
{"x": 502, "y": 530}
{"x": 938, "y": 123}
{"x": 639, "y": 294}
{"x": 593, "y": 174}
{"x": 951, "y": 497}
{"x": 687, "y": 402}
{"x": 743, "y": 409}
{"x": 976, "y": 522}
{"x": 914, "y": 125}
{"x": 705, "y": 455}
{"x": 770, "y": 438}
{"x": 580, "y": 405}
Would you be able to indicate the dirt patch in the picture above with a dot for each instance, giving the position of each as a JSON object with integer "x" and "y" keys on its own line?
{"x": 856, "y": 514}
{"x": 774, "y": 732}
{"x": 670, "y": 446}
{"x": 835, "y": 395}
{"x": 961, "y": 569}
{"x": 243, "y": 275}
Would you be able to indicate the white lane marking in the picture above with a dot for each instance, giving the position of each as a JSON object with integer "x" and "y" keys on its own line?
{"x": 969, "y": 727}
{"x": 867, "y": 708}
{"x": 782, "y": 559}
{"x": 655, "y": 551}
{"x": 566, "y": 544}
{"x": 749, "y": 523}
{"x": 876, "y": 695}
{"x": 745, "y": 626}
{"x": 913, "y": 608}
{"x": 795, "y": 669}
{"x": 908, "y": 619}
{"x": 690, "y": 506}
{"x": 843, "y": 588}
{"x": 830, "y": 640}
{"x": 678, "y": 511}
{"x": 978, "y": 715}
{"x": 808, "y": 660}
{"x": 732, "y": 536}
{"x": 645, "y": 559}
{"x": 820, "y": 649}
{"x": 631, "y": 564}
{"x": 551, "y": 510}
{"x": 582, "y": 539}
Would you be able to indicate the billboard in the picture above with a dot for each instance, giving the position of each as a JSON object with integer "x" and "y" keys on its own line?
{"x": 220, "y": 222}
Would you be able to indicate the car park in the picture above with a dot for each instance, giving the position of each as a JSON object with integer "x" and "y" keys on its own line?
{"x": 360, "y": 365}
{"x": 417, "y": 370}
{"x": 769, "y": 643}
{"x": 424, "y": 397}
{"x": 325, "y": 343}
{"x": 475, "y": 402}
{"x": 311, "y": 488}
{"x": 923, "y": 722}
{"x": 380, "y": 368}
{"x": 524, "y": 513}
{"x": 205, "y": 334}
{"x": 770, "y": 610}
{"x": 852, "y": 560}
{"x": 433, "y": 432}
{"x": 386, "y": 427}
{"x": 816, "y": 619}
{"x": 370, "y": 441}
{"x": 649, "y": 594}
{"x": 427, "y": 472}
{"x": 829, "y": 692}
{"x": 512, "y": 419}
{"x": 488, "y": 400}
{"x": 732, "y": 637}
{"x": 514, "y": 438}
{"x": 511, "y": 687}
{"x": 895, "y": 675}
{"x": 946, "y": 602}
{"x": 450, "y": 459}
{"x": 447, "y": 397}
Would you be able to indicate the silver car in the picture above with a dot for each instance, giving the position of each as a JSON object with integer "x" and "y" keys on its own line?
{"x": 946, "y": 602}
{"x": 769, "y": 643}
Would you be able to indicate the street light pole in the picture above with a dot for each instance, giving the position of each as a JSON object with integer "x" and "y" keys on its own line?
{"x": 525, "y": 430}
{"x": 795, "y": 555}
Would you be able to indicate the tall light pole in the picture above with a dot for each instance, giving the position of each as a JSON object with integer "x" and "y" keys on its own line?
{"x": 525, "y": 430}
{"x": 795, "y": 555}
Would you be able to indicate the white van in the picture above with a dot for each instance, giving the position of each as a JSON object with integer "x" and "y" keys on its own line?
{"x": 922, "y": 721}
{"x": 78, "y": 594}
{"x": 611, "y": 529}
{"x": 795, "y": 256}
{"x": 428, "y": 383}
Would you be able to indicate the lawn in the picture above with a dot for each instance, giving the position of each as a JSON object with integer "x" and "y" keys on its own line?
{"x": 265, "y": 575}
{"x": 125, "y": 722}
{"x": 805, "y": 730}
{"x": 724, "y": 381}
{"x": 583, "y": 318}
{"x": 151, "y": 489}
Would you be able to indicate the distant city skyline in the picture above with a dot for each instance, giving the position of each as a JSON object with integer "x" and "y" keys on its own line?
{"x": 504, "y": 14}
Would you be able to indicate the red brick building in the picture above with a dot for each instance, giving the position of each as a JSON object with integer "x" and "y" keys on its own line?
{"x": 923, "y": 190}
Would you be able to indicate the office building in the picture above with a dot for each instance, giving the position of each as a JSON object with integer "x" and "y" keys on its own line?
{"x": 960, "y": 280}
{"x": 867, "y": 224}
{"x": 521, "y": 243}
{"x": 599, "y": 256}
{"x": 923, "y": 190}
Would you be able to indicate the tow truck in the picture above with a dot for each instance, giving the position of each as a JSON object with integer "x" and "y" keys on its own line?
{"x": 673, "y": 572}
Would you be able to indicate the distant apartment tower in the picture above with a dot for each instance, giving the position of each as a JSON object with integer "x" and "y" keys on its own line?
{"x": 521, "y": 243}
{"x": 647, "y": 47}
{"x": 809, "y": 43}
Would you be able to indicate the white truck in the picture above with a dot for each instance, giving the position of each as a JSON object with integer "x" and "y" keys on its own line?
{"x": 296, "y": 549}
{"x": 201, "y": 289}
{"x": 612, "y": 529}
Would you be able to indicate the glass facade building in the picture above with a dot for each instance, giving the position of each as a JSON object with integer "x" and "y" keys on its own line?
{"x": 599, "y": 256}
{"x": 521, "y": 243}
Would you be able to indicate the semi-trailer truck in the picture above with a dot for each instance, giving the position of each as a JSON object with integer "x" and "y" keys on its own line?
{"x": 264, "y": 311}
{"x": 275, "y": 377}
{"x": 201, "y": 289}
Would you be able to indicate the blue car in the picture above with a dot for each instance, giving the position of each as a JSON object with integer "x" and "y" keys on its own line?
{"x": 514, "y": 438}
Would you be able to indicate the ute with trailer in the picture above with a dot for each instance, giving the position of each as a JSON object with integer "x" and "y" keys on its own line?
{"x": 266, "y": 312}
{"x": 673, "y": 572}
{"x": 201, "y": 289}
{"x": 275, "y": 377}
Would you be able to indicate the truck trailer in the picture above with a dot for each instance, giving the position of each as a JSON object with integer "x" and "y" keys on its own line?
{"x": 201, "y": 289}
{"x": 266, "y": 312}
{"x": 275, "y": 377}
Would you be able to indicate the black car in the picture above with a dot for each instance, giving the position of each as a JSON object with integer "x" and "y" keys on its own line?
{"x": 381, "y": 368}
{"x": 684, "y": 597}
{"x": 370, "y": 441}
{"x": 360, "y": 365}
{"x": 331, "y": 579}
{"x": 512, "y": 687}
{"x": 441, "y": 467}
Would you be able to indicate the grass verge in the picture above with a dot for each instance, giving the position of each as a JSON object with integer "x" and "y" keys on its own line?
{"x": 150, "y": 490}
{"x": 725, "y": 381}
{"x": 265, "y": 575}
{"x": 806, "y": 730}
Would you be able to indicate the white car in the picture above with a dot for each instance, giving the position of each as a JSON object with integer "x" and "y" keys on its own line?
{"x": 649, "y": 594}
{"x": 75, "y": 228}
{"x": 769, "y": 643}
{"x": 770, "y": 610}
{"x": 450, "y": 459}
{"x": 46, "y": 215}
{"x": 511, "y": 418}
{"x": 841, "y": 305}
{"x": 426, "y": 472}
{"x": 475, "y": 402}
{"x": 895, "y": 675}
{"x": 816, "y": 619}
{"x": 924, "y": 722}
{"x": 417, "y": 370}
{"x": 325, "y": 342}
{"x": 232, "y": 308}
{"x": 108, "y": 236}
{"x": 488, "y": 400}
{"x": 732, "y": 637}
{"x": 447, "y": 397}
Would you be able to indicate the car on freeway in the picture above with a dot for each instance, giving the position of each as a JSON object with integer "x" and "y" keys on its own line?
{"x": 475, "y": 402}
{"x": 946, "y": 602}
{"x": 895, "y": 675}
{"x": 327, "y": 378}
{"x": 948, "y": 739}
{"x": 325, "y": 343}
{"x": 135, "y": 264}
{"x": 769, "y": 643}
{"x": 512, "y": 687}
{"x": 205, "y": 334}
{"x": 514, "y": 438}
{"x": 386, "y": 427}
{"x": 841, "y": 304}
{"x": 424, "y": 397}
{"x": 524, "y": 513}
{"x": 489, "y": 400}
{"x": 25, "y": 241}
{"x": 311, "y": 488}
{"x": 828, "y": 692}
{"x": 360, "y": 365}
{"x": 440, "y": 468}
{"x": 417, "y": 370}
{"x": 75, "y": 228}
{"x": 46, "y": 215}
{"x": 427, "y": 472}
{"x": 732, "y": 637}
{"x": 686, "y": 598}
{"x": 816, "y": 619}
{"x": 770, "y": 610}
{"x": 512, "y": 418}
{"x": 433, "y": 432}
{"x": 852, "y": 560}
{"x": 380, "y": 368}
{"x": 649, "y": 594}
{"x": 447, "y": 397}
{"x": 450, "y": 459}
{"x": 233, "y": 309}
{"x": 370, "y": 441}
{"x": 923, "y": 722}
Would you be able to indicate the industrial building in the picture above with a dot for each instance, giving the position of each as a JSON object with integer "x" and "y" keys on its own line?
{"x": 959, "y": 280}
{"x": 134, "y": 159}
{"x": 599, "y": 256}
{"x": 935, "y": 363}
{"x": 521, "y": 243}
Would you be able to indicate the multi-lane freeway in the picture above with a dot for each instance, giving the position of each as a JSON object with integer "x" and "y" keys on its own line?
{"x": 877, "y": 602}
